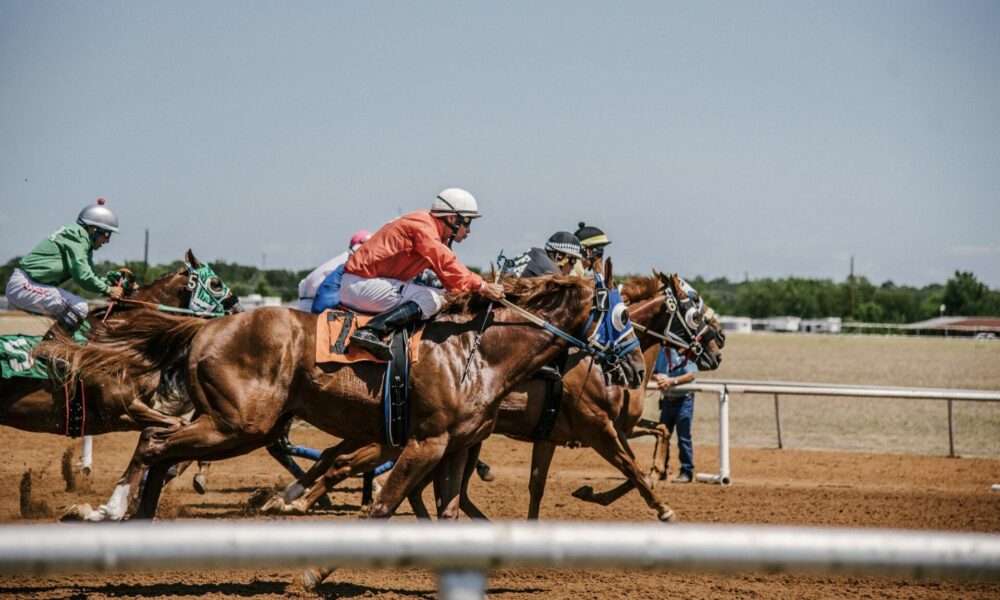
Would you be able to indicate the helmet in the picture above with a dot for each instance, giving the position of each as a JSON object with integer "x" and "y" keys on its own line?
{"x": 455, "y": 201}
{"x": 591, "y": 236}
{"x": 564, "y": 242}
{"x": 98, "y": 215}
{"x": 360, "y": 237}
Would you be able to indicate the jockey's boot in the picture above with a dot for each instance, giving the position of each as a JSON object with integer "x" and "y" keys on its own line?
{"x": 370, "y": 337}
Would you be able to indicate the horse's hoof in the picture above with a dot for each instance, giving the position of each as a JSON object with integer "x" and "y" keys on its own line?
{"x": 311, "y": 578}
{"x": 200, "y": 483}
{"x": 274, "y": 506}
{"x": 77, "y": 512}
{"x": 667, "y": 516}
{"x": 584, "y": 493}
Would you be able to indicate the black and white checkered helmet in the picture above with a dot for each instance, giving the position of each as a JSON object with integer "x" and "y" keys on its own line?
{"x": 565, "y": 243}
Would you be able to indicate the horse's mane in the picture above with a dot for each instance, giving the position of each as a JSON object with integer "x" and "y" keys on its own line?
{"x": 151, "y": 342}
{"x": 640, "y": 287}
{"x": 552, "y": 295}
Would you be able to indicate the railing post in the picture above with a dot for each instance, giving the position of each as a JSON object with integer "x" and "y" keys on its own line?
{"x": 724, "y": 436}
{"x": 723, "y": 476}
{"x": 777, "y": 420}
{"x": 461, "y": 584}
{"x": 951, "y": 432}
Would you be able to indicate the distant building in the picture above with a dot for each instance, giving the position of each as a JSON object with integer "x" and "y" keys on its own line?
{"x": 957, "y": 325}
{"x": 736, "y": 324}
{"x": 827, "y": 325}
{"x": 252, "y": 301}
{"x": 783, "y": 324}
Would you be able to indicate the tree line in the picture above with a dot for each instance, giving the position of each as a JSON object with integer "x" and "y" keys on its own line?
{"x": 962, "y": 294}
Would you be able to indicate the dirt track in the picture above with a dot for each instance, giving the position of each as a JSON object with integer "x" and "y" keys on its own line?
{"x": 770, "y": 486}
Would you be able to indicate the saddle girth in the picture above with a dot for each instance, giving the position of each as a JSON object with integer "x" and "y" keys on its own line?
{"x": 396, "y": 400}
{"x": 76, "y": 412}
{"x": 552, "y": 374}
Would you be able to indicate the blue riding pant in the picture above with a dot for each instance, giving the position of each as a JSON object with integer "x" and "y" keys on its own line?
{"x": 677, "y": 414}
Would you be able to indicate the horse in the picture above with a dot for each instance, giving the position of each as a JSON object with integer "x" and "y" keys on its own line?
{"x": 591, "y": 414}
{"x": 106, "y": 403}
{"x": 249, "y": 373}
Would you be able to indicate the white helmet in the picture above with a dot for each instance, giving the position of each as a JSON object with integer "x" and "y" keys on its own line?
{"x": 455, "y": 201}
{"x": 98, "y": 215}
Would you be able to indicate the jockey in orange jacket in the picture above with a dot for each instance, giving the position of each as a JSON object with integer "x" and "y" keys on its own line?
{"x": 377, "y": 277}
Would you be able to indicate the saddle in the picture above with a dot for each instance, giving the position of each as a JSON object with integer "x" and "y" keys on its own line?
{"x": 333, "y": 332}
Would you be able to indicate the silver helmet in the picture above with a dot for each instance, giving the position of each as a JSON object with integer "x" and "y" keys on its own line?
{"x": 98, "y": 215}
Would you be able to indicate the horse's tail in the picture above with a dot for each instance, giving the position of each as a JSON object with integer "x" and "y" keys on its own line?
{"x": 148, "y": 342}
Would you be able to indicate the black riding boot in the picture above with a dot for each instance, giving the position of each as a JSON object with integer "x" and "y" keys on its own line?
{"x": 370, "y": 336}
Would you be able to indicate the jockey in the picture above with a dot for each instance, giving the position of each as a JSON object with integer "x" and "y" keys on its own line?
{"x": 560, "y": 255}
{"x": 593, "y": 241}
{"x": 377, "y": 277}
{"x": 67, "y": 253}
{"x": 311, "y": 284}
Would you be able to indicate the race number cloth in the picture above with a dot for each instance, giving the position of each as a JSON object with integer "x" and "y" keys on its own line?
{"x": 16, "y": 359}
{"x": 333, "y": 333}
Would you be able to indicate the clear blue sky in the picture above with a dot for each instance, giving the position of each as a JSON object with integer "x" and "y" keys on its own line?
{"x": 711, "y": 138}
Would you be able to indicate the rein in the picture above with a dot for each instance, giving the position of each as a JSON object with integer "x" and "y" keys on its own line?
{"x": 174, "y": 309}
{"x": 584, "y": 346}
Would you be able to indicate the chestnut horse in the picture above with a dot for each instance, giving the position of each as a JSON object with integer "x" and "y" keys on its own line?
{"x": 249, "y": 373}
{"x": 592, "y": 414}
{"x": 110, "y": 404}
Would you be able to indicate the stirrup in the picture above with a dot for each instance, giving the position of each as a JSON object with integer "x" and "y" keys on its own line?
{"x": 370, "y": 342}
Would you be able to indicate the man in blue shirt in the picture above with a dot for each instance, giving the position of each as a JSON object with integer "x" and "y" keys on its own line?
{"x": 676, "y": 408}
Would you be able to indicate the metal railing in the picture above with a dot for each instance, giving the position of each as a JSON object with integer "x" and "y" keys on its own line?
{"x": 464, "y": 553}
{"x": 724, "y": 387}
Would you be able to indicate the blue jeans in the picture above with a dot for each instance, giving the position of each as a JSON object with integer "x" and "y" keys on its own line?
{"x": 676, "y": 414}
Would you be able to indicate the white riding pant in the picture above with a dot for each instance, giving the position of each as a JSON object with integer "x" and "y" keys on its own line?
{"x": 26, "y": 294}
{"x": 380, "y": 294}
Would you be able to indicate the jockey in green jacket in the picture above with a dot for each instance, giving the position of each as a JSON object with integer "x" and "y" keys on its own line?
{"x": 66, "y": 254}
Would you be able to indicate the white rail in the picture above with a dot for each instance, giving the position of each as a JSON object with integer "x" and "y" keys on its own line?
{"x": 463, "y": 553}
{"x": 724, "y": 387}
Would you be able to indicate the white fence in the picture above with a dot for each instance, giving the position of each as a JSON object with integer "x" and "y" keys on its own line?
{"x": 463, "y": 553}
{"x": 725, "y": 387}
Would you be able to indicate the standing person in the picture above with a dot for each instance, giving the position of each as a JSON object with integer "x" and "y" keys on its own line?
{"x": 66, "y": 254}
{"x": 593, "y": 241}
{"x": 561, "y": 253}
{"x": 377, "y": 277}
{"x": 312, "y": 282}
{"x": 676, "y": 408}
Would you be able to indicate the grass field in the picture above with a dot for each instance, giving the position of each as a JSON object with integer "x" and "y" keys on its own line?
{"x": 862, "y": 424}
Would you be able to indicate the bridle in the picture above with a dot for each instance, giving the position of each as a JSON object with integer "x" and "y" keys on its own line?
{"x": 693, "y": 324}
{"x": 204, "y": 298}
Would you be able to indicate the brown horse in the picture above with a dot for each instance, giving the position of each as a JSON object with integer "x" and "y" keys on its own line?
{"x": 592, "y": 414}
{"x": 108, "y": 403}
{"x": 249, "y": 373}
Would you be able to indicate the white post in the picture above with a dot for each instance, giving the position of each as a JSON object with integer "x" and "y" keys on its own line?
{"x": 87, "y": 457}
{"x": 723, "y": 476}
{"x": 461, "y": 584}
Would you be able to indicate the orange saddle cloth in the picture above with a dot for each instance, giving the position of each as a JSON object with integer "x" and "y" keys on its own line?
{"x": 334, "y": 328}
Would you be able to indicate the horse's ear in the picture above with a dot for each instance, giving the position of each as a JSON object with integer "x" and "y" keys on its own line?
{"x": 663, "y": 277}
{"x": 608, "y": 272}
{"x": 675, "y": 279}
{"x": 190, "y": 259}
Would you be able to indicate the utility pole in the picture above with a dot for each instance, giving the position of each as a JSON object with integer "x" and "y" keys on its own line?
{"x": 145, "y": 257}
{"x": 852, "y": 287}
